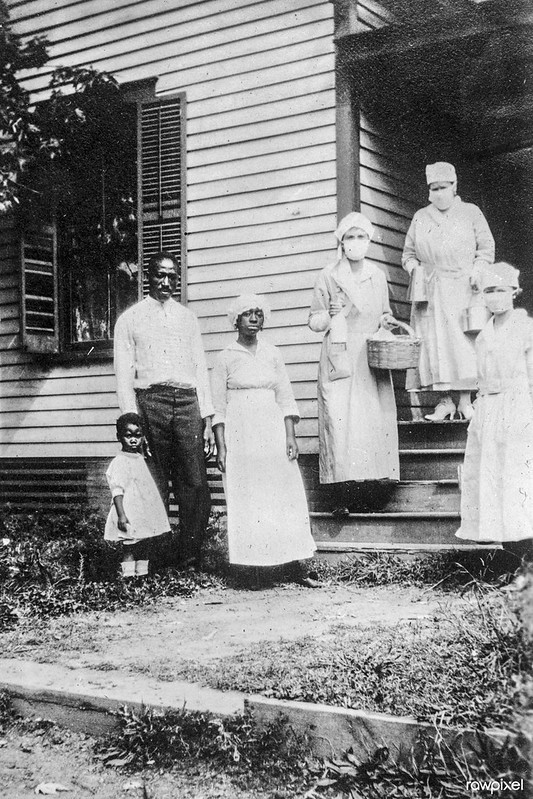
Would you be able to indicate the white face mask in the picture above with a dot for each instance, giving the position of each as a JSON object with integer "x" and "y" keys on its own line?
{"x": 356, "y": 249}
{"x": 499, "y": 302}
{"x": 442, "y": 198}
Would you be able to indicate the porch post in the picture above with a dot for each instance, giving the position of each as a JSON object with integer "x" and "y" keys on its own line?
{"x": 346, "y": 116}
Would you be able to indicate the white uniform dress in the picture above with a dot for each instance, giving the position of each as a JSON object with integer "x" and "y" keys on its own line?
{"x": 449, "y": 246}
{"x": 129, "y": 476}
{"x": 497, "y": 483}
{"x": 357, "y": 424}
{"x": 268, "y": 521}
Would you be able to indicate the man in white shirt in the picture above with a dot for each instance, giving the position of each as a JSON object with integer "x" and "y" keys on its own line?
{"x": 162, "y": 374}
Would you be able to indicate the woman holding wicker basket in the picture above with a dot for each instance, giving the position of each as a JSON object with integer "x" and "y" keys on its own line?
{"x": 357, "y": 426}
{"x": 447, "y": 244}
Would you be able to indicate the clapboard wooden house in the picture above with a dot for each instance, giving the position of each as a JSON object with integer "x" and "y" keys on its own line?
{"x": 253, "y": 126}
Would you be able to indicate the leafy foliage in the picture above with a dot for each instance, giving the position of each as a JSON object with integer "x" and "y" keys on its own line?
{"x": 6, "y": 711}
{"x": 53, "y": 564}
{"x": 45, "y": 547}
{"x": 66, "y": 597}
{"x": 19, "y": 135}
{"x": 50, "y": 148}
{"x": 433, "y": 769}
{"x": 215, "y": 550}
{"x": 150, "y": 739}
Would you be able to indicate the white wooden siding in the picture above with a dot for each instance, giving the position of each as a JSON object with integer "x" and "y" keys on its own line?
{"x": 261, "y": 192}
{"x": 391, "y": 192}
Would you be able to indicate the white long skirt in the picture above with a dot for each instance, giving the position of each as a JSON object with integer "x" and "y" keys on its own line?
{"x": 268, "y": 521}
{"x": 447, "y": 355}
{"x": 497, "y": 482}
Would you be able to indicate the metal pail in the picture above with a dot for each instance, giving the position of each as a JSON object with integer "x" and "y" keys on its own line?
{"x": 474, "y": 318}
{"x": 417, "y": 291}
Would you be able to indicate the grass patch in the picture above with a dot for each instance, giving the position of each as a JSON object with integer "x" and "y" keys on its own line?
{"x": 445, "y": 570}
{"x": 434, "y": 770}
{"x": 469, "y": 668}
{"x": 54, "y": 564}
{"x": 59, "y": 564}
{"x": 25, "y": 602}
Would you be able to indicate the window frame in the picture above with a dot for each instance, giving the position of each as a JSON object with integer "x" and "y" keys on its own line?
{"x": 140, "y": 94}
{"x": 33, "y": 239}
{"x": 173, "y": 96}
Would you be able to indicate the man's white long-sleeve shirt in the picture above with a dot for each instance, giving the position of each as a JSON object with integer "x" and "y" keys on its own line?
{"x": 159, "y": 343}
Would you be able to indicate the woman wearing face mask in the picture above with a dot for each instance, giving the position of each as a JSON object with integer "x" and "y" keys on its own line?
{"x": 450, "y": 241}
{"x": 357, "y": 424}
{"x": 497, "y": 482}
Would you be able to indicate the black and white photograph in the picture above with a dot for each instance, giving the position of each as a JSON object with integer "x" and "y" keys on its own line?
{"x": 266, "y": 399}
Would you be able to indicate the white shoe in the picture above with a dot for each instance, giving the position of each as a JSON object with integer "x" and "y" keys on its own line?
{"x": 128, "y": 568}
{"x": 443, "y": 410}
{"x": 141, "y": 568}
{"x": 465, "y": 411}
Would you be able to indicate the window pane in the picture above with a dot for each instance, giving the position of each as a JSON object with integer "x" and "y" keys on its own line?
{"x": 97, "y": 228}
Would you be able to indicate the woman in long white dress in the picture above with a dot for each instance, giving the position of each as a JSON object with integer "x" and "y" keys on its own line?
{"x": 497, "y": 480}
{"x": 450, "y": 241}
{"x": 357, "y": 423}
{"x": 255, "y": 414}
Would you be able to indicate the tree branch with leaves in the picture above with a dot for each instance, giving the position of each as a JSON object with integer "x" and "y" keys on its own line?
{"x": 39, "y": 141}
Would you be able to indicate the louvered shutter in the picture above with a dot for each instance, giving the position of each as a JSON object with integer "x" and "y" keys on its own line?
{"x": 39, "y": 290}
{"x": 161, "y": 181}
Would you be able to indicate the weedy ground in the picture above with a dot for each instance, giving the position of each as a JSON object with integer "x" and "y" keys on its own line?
{"x": 450, "y": 642}
{"x": 198, "y": 756}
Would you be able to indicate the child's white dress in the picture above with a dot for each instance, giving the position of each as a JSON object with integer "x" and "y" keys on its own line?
{"x": 497, "y": 483}
{"x": 268, "y": 521}
{"x": 129, "y": 476}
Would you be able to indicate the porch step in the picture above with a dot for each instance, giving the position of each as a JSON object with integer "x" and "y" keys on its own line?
{"x": 414, "y": 528}
{"x": 432, "y": 435}
{"x": 367, "y": 546}
{"x": 412, "y": 496}
{"x": 430, "y": 464}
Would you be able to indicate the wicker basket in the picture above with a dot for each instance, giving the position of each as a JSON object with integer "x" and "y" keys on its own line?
{"x": 401, "y": 352}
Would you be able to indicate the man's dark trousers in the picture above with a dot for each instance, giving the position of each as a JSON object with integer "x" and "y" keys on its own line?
{"x": 174, "y": 430}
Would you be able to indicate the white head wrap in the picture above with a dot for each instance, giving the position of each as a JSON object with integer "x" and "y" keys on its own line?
{"x": 355, "y": 219}
{"x": 245, "y": 302}
{"x": 500, "y": 274}
{"x": 441, "y": 170}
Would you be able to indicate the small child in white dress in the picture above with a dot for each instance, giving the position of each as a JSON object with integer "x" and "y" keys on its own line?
{"x": 137, "y": 512}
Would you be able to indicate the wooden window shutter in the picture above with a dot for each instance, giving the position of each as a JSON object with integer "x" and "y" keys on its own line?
{"x": 39, "y": 290}
{"x": 162, "y": 183}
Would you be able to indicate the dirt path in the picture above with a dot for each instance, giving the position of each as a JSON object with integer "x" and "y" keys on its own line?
{"x": 213, "y": 624}
{"x": 151, "y": 642}
{"x": 30, "y": 758}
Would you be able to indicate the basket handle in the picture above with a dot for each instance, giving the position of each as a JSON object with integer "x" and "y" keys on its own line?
{"x": 408, "y": 329}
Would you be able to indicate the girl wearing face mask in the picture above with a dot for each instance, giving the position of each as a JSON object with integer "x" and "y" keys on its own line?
{"x": 497, "y": 482}
{"x": 450, "y": 241}
{"x": 357, "y": 427}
